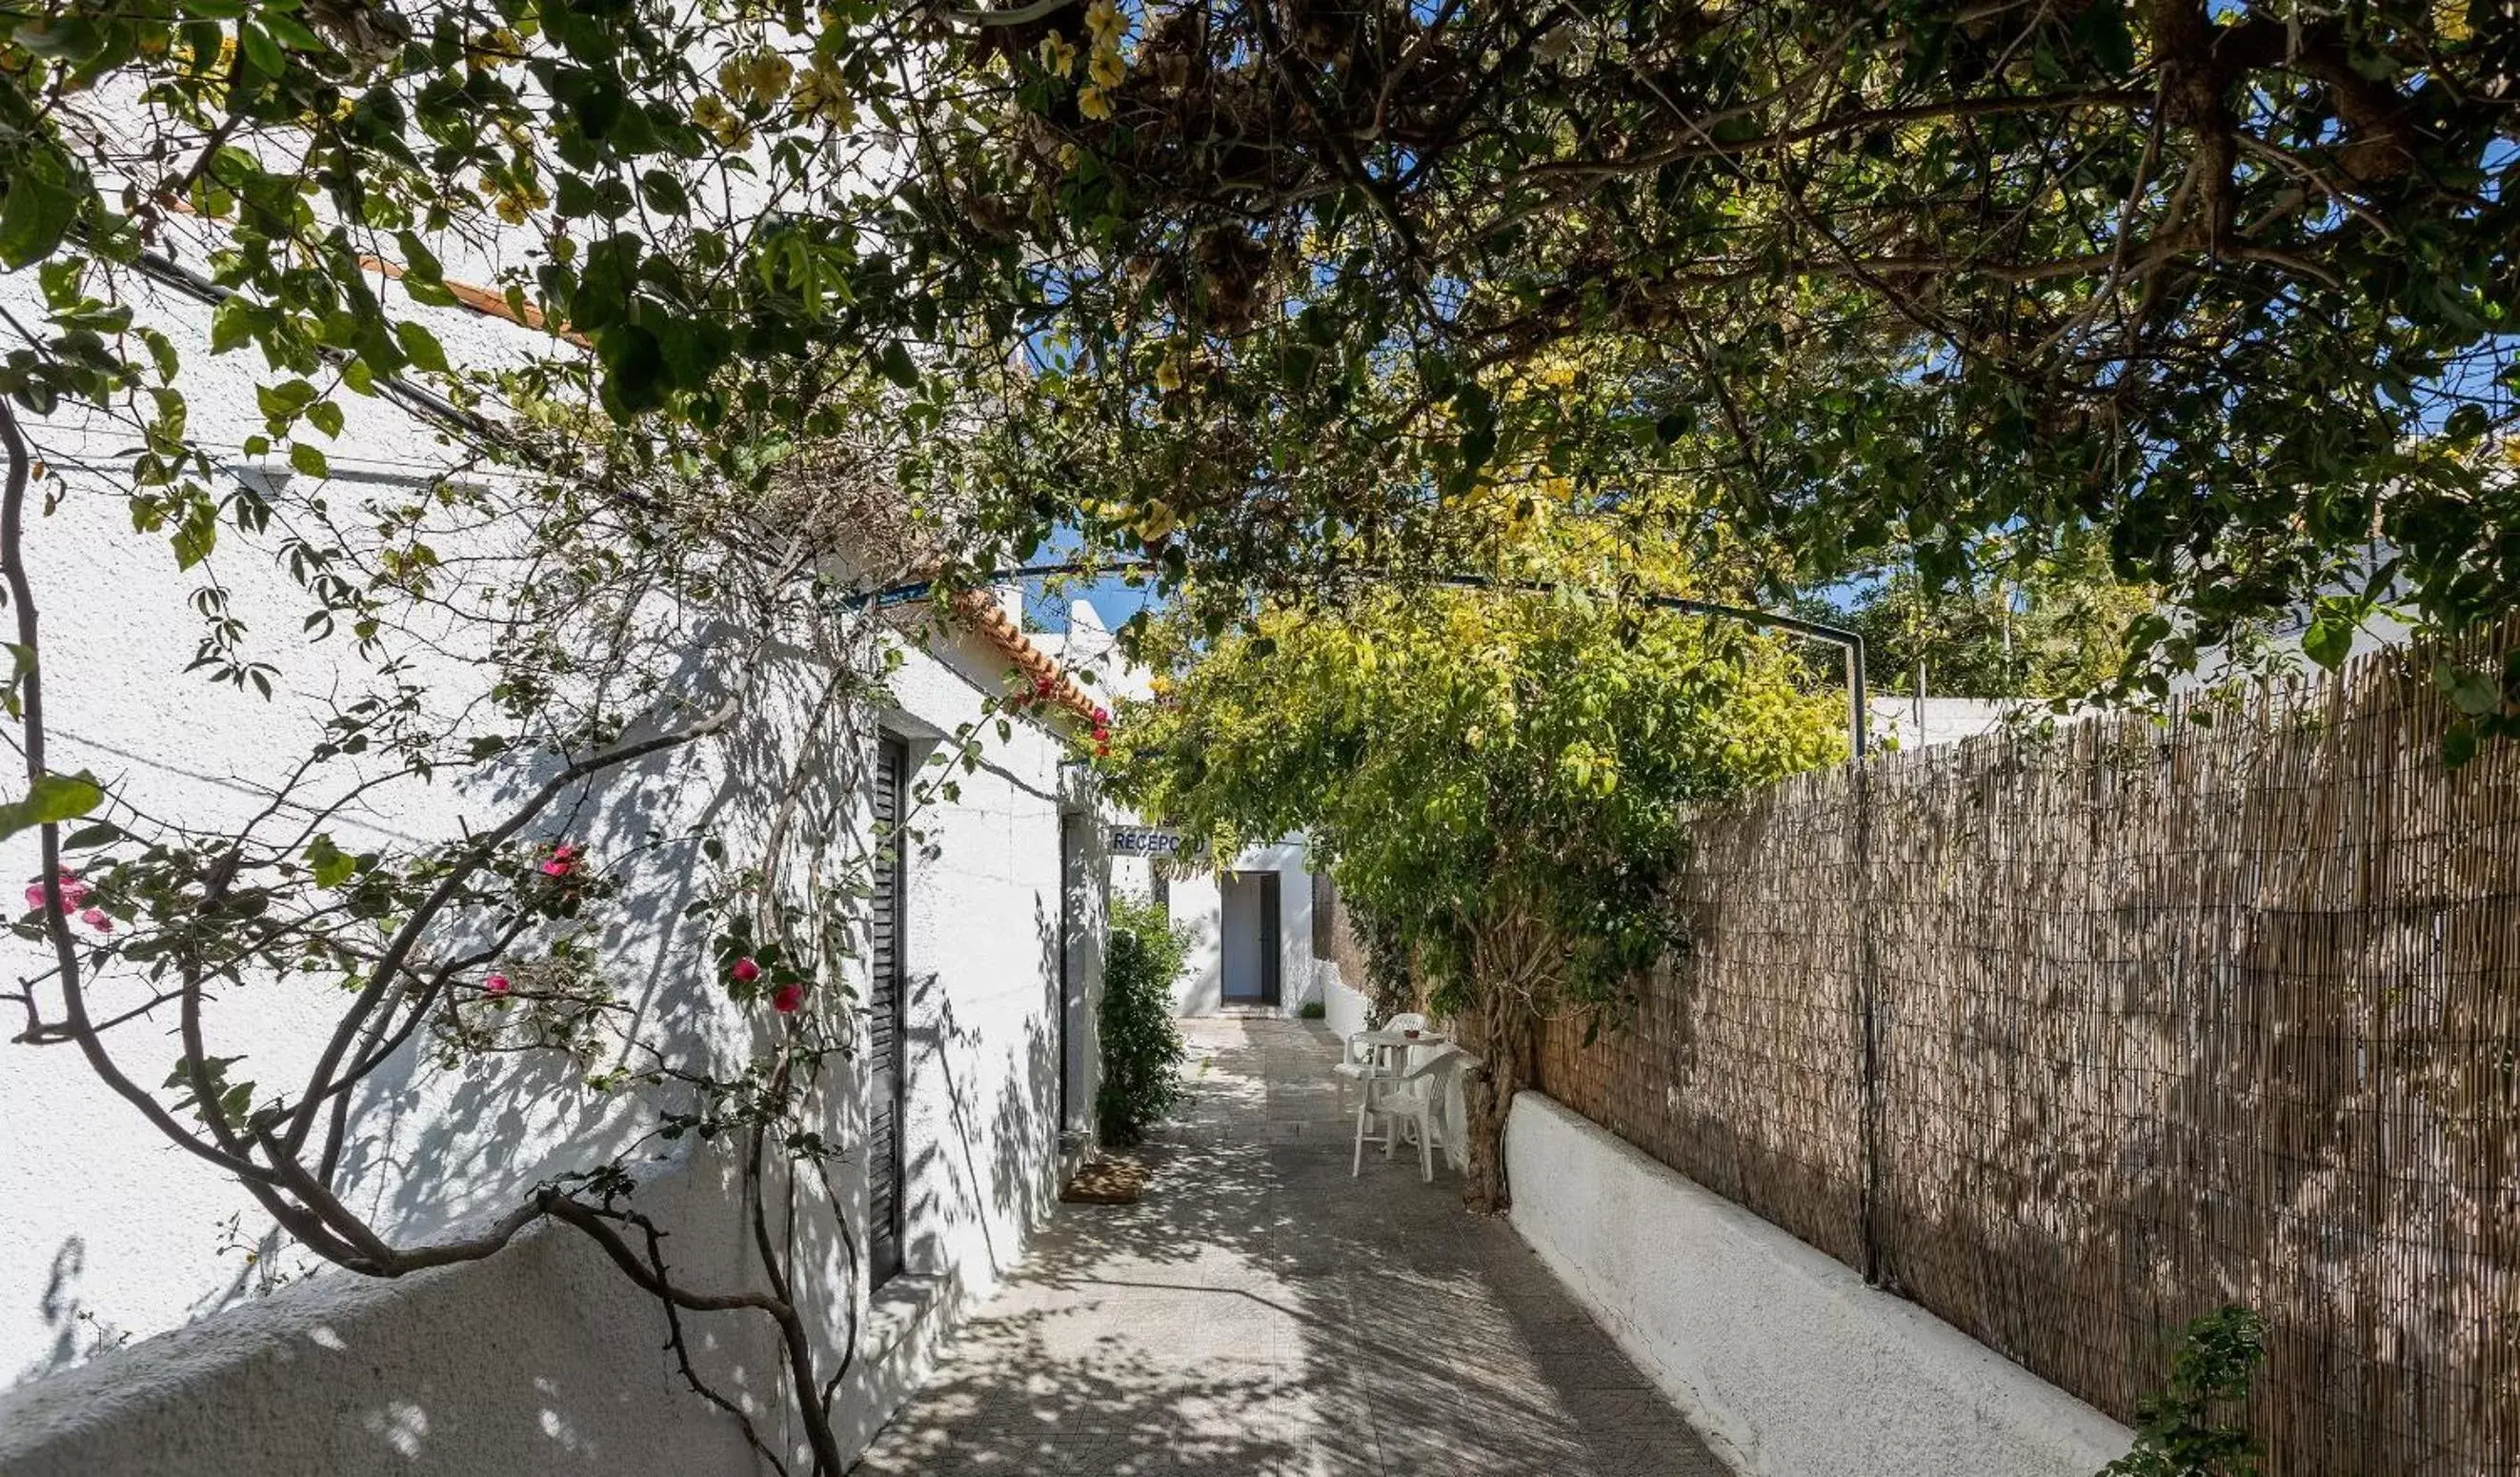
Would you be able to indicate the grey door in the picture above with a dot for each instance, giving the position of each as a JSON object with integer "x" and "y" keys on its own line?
{"x": 886, "y": 1037}
{"x": 1247, "y": 928}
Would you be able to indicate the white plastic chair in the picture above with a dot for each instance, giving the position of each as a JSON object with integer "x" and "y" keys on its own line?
{"x": 1364, "y": 1058}
{"x": 1413, "y": 1101}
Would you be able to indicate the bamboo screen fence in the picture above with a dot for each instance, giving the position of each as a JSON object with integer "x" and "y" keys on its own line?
{"x": 2165, "y": 1017}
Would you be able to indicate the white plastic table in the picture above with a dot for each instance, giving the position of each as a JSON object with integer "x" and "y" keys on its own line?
{"x": 1383, "y": 1043}
{"x": 1384, "y": 1040}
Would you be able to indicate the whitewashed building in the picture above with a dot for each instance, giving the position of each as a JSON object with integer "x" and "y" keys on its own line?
{"x": 140, "y": 1288}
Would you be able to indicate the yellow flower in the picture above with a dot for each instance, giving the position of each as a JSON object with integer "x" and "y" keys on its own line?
{"x": 1057, "y": 57}
{"x": 493, "y": 49}
{"x": 756, "y": 78}
{"x": 1168, "y": 375}
{"x": 770, "y": 74}
{"x": 1093, "y": 102}
{"x": 713, "y": 113}
{"x": 822, "y": 92}
{"x": 1107, "y": 68}
{"x": 1103, "y": 21}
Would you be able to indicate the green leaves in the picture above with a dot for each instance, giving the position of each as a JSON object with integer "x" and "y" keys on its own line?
{"x": 895, "y": 364}
{"x": 225, "y": 1103}
{"x": 2194, "y": 1426}
{"x": 327, "y": 863}
{"x": 421, "y": 346}
{"x": 51, "y": 800}
{"x": 45, "y": 191}
{"x": 1462, "y": 754}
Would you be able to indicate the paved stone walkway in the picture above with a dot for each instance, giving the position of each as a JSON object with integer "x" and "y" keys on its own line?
{"x": 1257, "y": 1313}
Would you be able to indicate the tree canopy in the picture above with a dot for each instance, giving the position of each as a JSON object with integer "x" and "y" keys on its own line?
{"x": 2051, "y": 627}
{"x": 1504, "y": 777}
{"x": 2232, "y": 284}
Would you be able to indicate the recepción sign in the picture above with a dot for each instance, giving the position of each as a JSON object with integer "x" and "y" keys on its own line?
{"x": 1144, "y": 841}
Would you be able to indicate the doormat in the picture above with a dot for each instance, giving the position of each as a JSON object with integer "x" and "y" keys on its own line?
{"x": 1106, "y": 1182}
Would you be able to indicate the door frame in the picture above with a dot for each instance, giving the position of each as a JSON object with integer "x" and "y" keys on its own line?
{"x": 1272, "y": 945}
{"x": 888, "y": 1246}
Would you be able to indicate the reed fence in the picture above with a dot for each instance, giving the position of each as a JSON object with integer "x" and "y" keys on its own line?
{"x": 2161, "y": 1016}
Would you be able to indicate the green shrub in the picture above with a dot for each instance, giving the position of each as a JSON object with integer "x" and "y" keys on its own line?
{"x": 2182, "y": 1431}
{"x": 1141, "y": 1047}
{"x": 1313, "y": 1010}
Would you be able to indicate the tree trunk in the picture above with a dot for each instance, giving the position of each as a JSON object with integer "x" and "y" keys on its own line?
{"x": 1502, "y": 1034}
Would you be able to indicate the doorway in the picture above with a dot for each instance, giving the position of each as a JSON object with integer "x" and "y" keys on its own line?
{"x": 1247, "y": 925}
{"x": 1079, "y": 916}
{"x": 887, "y": 1036}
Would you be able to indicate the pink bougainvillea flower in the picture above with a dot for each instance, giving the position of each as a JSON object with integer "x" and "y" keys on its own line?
{"x": 1101, "y": 717}
{"x": 1101, "y": 734}
{"x": 95, "y": 919}
{"x": 563, "y": 861}
{"x": 745, "y": 971}
{"x": 1042, "y": 687}
{"x": 786, "y": 998}
{"x": 74, "y": 893}
{"x": 496, "y": 984}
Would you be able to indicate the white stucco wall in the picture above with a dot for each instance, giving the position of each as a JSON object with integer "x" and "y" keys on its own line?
{"x": 1945, "y": 720}
{"x": 1197, "y": 904}
{"x": 1779, "y": 1355}
{"x": 539, "y": 1358}
{"x": 1344, "y": 1010}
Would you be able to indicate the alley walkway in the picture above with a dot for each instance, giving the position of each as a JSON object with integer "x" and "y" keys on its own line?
{"x": 1260, "y": 1315}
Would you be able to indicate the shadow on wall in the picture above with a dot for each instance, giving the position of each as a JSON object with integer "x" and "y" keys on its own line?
{"x": 544, "y": 1357}
{"x": 1003, "y": 1148}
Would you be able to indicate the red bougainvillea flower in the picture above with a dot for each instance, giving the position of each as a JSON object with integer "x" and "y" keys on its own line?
{"x": 496, "y": 984}
{"x": 1101, "y": 734}
{"x": 563, "y": 861}
{"x": 1042, "y": 687}
{"x": 745, "y": 971}
{"x": 74, "y": 893}
{"x": 1101, "y": 751}
{"x": 1101, "y": 718}
{"x": 786, "y": 998}
{"x": 95, "y": 919}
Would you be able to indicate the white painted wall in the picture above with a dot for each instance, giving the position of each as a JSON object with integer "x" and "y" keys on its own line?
{"x": 539, "y": 1358}
{"x": 1777, "y": 1353}
{"x": 1945, "y": 719}
{"x": 1344, "y": 1010}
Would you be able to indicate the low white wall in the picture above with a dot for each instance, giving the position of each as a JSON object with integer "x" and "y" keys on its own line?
{"x": 543, "y": 1359}
{"x": 1343, "y": 1009}
{"x": 1779, "y": 1355}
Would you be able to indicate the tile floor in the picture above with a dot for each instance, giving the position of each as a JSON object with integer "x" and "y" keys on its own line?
{"x": 1258, "y": 1314}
